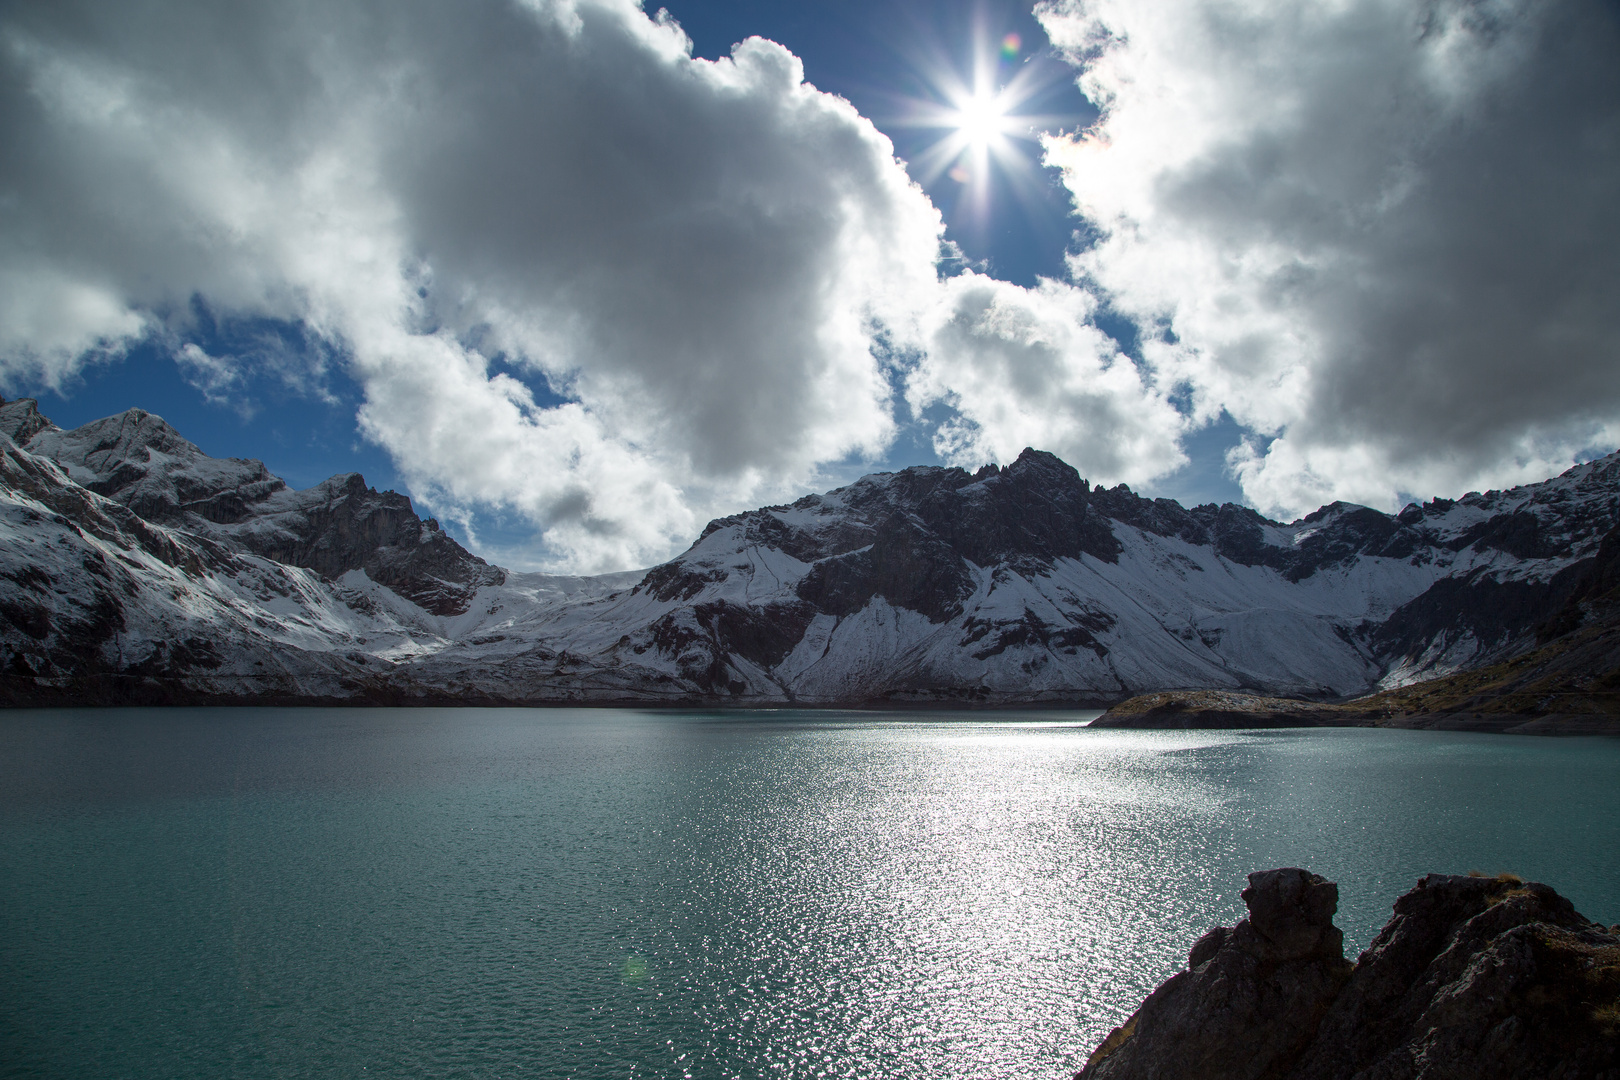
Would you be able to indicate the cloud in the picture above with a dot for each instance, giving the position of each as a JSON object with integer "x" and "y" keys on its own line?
{"x": 579, "y": 274}
{"x": 52, "y": 324}
{"x": 1382, "y": 235}
{"x": 217, "y": 378}
{"x": 593, "y": 283}
{"x": 1027, "y": 367}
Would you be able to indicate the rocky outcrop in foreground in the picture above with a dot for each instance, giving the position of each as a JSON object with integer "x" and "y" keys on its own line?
{"x": 1474, "y": 977}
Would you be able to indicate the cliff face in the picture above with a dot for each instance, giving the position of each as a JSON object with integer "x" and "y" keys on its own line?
{"x": 1479, "y": 978}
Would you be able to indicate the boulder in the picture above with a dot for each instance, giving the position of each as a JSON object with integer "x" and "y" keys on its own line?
{"x": 1477, "y": 977}
{"x": 1252, "y": 997}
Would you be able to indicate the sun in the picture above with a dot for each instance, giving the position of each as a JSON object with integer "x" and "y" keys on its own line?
{"x": 981, "y": 119}
{"x": 984, "y": 119}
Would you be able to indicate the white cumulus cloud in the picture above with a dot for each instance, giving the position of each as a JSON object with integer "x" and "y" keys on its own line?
{"x": 1381, "y": 234}
{"x": 1027, "y": 367}
{"x": 590, "y": 282}
{"x": 481, "y": 202}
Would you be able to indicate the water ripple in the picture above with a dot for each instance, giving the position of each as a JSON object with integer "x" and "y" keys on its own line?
{"x": 606, "y": 894}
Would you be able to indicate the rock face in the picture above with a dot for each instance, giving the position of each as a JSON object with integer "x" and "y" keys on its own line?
{"x": 1474, "y": 977}
{"x": 1019, "y": 584}
{"x": 1252, "y": 998}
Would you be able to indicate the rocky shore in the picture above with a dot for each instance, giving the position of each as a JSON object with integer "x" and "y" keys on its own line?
{"x": 1474, "y": 977}
{"x": 1216, "y": 709}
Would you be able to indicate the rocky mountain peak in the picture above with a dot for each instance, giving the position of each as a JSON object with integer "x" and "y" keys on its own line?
{"x": 1333, "y": 511}
{"x": 342, "y": 524}
{"x": 138, "y": 460}
{"x": 1034, "y": 508}
{"x": 20, "y": 420}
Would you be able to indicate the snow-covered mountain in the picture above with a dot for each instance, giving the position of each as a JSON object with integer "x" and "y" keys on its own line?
{"x": 133, "y": 567}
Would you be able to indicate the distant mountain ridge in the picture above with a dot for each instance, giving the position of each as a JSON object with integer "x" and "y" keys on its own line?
{"x": 134, "y": 567}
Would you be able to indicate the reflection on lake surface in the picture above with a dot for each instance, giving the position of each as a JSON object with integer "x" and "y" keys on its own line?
{"x": 608, "y": 893}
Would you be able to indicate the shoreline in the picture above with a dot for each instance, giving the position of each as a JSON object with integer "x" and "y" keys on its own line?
{"x": 1211, "y": 710}
{"x": 1223, "y": 710}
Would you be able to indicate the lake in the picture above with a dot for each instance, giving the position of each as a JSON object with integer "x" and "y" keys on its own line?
{"x": 613, "y": 893}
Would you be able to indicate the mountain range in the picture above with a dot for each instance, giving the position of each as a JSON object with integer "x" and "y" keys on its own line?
{"x": 134, "y": 568}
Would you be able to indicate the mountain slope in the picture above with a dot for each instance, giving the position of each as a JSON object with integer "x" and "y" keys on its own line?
{"x": 1569, "y": 683}
{"x": 139, "y": 461}
{"x": 120, "y": 542}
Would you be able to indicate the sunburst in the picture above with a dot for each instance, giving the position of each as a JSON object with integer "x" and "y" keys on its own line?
{"x": 987, "y": 132}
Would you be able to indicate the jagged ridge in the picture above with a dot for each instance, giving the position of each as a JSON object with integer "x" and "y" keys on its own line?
{"x": 1014, "y": 584}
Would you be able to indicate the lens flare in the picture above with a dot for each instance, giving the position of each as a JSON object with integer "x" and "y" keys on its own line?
{"x": 1010, "y": 46}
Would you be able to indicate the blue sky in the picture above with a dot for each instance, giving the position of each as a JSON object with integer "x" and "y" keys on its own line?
{"x": 578, "y": 280}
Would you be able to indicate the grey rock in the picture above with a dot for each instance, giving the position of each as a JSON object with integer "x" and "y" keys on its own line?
{"x": 20, "y": 420}
{"x": 1291, "y": 911}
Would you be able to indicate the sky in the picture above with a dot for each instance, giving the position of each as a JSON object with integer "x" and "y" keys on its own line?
{"x": 580, "y": 275}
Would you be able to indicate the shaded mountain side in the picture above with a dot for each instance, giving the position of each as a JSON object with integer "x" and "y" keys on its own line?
{"x": 342, "y": 525}
{"x": 1488, "y": 614}
{"x": 1485, "y": 978}
{"x": 1570, "y": 682}
{"x": 1574, "y": 671}
{"x": 1492, "y": 618}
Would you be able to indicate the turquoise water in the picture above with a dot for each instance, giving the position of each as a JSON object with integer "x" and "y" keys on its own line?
{"x": 603, "y": 893}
